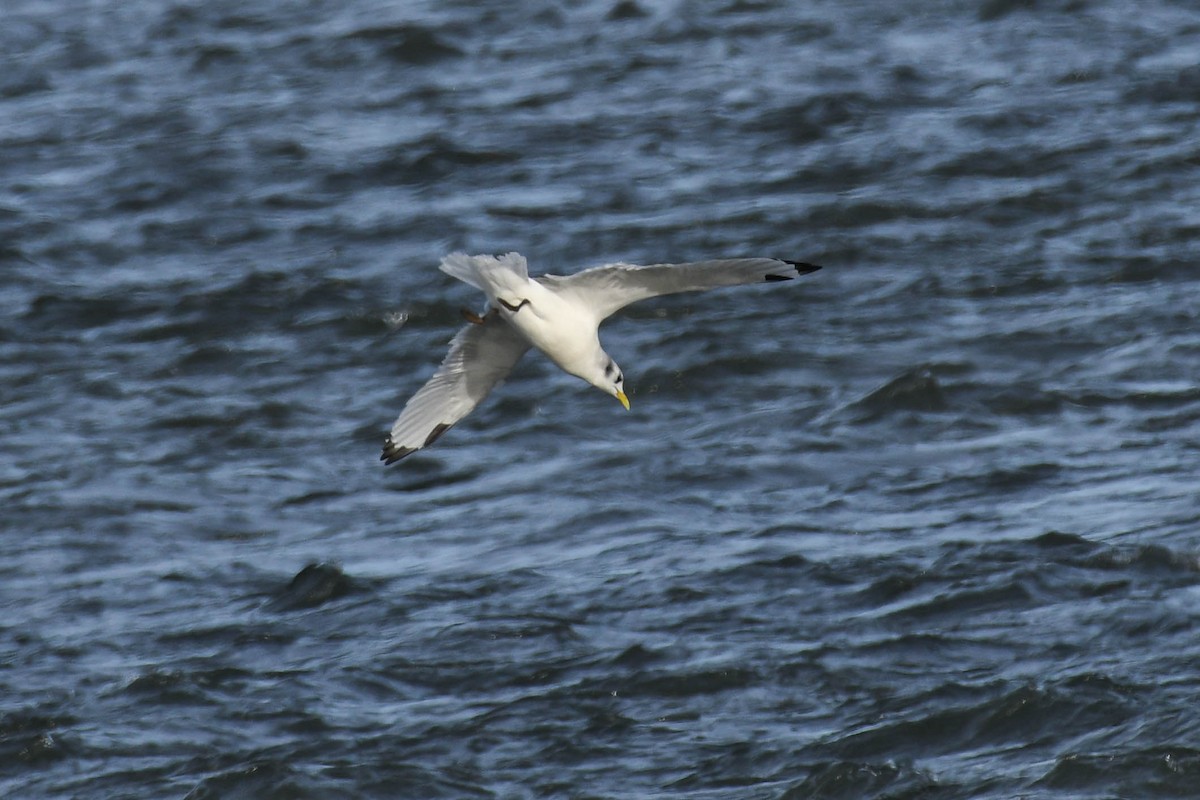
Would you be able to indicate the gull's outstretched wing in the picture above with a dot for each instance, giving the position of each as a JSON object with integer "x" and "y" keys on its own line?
{"x": 614, "y": 286}
{"x": 479, "y": 358}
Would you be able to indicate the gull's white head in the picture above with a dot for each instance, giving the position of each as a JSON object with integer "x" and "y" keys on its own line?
{"x": 607, "y": 377}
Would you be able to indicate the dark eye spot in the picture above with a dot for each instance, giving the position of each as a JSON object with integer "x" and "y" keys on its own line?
{"x": 620, "y": 378}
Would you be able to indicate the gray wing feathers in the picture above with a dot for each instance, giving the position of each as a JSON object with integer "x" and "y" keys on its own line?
{"x": 614, "y": 286}
{"x": 480, "y": 357}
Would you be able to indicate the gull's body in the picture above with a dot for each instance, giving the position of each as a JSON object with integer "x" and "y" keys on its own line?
{"x": 559, "y": 315}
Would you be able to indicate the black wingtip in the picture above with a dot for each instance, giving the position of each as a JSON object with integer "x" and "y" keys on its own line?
{"x": 392, "y": 453}
{"x": 803, "y": 267}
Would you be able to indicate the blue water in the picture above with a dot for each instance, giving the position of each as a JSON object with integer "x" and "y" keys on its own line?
{"x": 922, "y": 524}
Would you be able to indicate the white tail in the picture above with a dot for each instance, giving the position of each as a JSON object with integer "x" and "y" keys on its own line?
{"x": 473, "y": 269}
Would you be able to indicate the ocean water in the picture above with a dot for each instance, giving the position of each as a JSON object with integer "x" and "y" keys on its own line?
{"x": 922, "y": 524}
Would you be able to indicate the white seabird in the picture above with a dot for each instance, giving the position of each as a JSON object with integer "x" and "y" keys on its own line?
{"x": 558, "y": 314}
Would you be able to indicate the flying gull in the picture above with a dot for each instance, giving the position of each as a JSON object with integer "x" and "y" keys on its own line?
{"x": 558, "y": 314}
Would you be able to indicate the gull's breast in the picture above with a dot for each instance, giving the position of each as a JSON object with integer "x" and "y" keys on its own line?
{"x": 559, "y": 328}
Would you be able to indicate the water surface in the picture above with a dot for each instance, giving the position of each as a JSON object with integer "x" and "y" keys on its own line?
{"x": 921, "y": 524}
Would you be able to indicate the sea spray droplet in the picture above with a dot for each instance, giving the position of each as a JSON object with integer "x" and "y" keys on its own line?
{"x": 395, "y": 319}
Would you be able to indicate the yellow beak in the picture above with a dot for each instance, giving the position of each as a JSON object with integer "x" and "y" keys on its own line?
{"x": 624, "y": 400}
